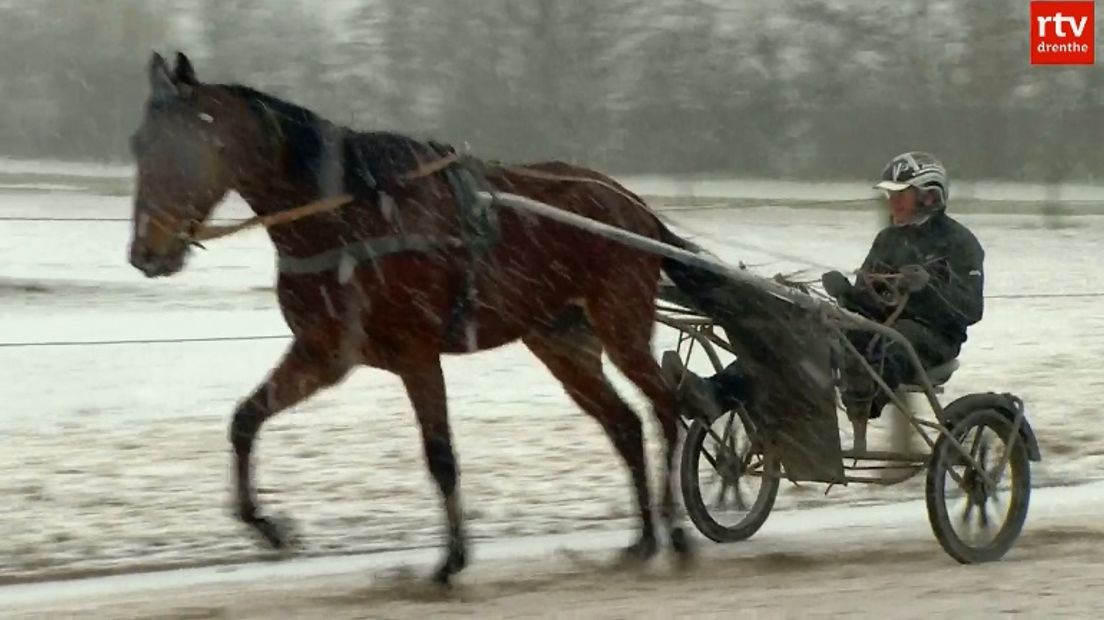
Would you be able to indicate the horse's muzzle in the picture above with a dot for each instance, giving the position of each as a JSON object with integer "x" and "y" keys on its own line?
{"x": 154, "y": 265}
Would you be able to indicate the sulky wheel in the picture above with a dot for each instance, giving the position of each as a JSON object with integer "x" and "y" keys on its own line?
{"x": 972, "y": 521}
{"x": 729, "y": 454}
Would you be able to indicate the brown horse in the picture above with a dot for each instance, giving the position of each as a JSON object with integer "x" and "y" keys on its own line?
{"x": 410, "y": 269}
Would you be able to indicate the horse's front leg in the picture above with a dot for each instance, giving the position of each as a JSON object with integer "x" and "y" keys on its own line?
{"x": 301, "y": 373}
{"x": 425, "y": 386}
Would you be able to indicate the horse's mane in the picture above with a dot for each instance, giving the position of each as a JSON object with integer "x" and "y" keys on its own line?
{"x": 369, "y": 159}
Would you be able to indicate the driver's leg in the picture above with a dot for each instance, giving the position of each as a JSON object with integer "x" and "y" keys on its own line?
{"x": 858, "y": 386}
{"x": 892, "y": 363}
{"x": 731, "y": 386}
{"x": 862, "y": 397}
{"x": 860, "y": 391}
{"x": 931, "y": 347}
{"x": 709, "y": 395}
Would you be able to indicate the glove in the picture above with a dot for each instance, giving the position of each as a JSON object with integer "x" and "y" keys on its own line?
{"x": 914, "y": 278}
{"x": 835, "y": 284}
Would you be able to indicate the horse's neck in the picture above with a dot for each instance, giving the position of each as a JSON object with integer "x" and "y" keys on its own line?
{"x": 273, "y": 186}
{"x": 274, "y": 197}
{"x": 305, "y": 235}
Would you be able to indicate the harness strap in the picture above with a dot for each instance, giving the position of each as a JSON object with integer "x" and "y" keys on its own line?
{"x": 479, "y": 231}
{"x": 432, "y": 167}
{"x": 369, "y": 249}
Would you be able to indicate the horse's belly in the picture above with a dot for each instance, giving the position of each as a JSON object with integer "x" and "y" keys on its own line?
{"x": 498, "y": 321}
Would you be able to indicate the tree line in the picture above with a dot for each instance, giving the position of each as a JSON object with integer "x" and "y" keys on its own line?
{"x": 812, "y": 89}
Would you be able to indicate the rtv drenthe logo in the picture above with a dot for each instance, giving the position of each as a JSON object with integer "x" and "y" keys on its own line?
{"x": 1063, "y": 32}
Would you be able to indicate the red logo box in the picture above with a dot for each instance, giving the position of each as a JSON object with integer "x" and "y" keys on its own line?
{"x": 1063, "y": 32}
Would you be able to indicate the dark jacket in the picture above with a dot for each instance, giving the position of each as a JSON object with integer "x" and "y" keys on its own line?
{"x": 951, "y": 254}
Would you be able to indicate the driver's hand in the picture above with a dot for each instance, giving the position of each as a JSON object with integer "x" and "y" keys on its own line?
{"x": 914, "y": 277}
{"x": 835, "y": 284}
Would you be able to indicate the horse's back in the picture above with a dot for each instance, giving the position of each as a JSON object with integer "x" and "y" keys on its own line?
{"x": 554, "y": 264}
{"x": 580, "y": 190}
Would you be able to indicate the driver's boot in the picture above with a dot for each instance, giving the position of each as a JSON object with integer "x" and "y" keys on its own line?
{"x": 859, "y": 420}
{"x": 857, "y": 401}
{"x": 860, "y": 410}
{"x": 858, "y": 393}
{"x": 693, "y": 395}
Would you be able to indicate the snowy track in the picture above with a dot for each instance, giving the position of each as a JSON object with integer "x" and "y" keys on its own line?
{"x": 877, "y": 561}
{"x": 115, "y": 458}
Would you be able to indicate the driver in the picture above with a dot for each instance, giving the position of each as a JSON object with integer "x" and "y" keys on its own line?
{"x": 939, "y": 262}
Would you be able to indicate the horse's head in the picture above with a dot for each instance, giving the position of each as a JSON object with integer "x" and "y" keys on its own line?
{"x": 182, "y": 166}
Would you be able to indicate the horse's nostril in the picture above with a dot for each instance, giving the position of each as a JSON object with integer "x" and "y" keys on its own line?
{"x": 139, "y": 256}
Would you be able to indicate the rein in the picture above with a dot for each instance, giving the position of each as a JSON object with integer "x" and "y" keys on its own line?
{"x": 898, "y": 301}
{"x": 548, "y": 176}
{"x": 892, "y": 281}
{"x": 207, "y": 232}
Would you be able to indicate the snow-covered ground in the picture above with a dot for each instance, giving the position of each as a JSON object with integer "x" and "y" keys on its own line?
{"x": 115, "y": 458}
{"x": 10, "y": 165}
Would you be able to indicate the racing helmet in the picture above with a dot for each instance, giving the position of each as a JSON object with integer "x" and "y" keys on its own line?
{"x": 920, "y": 170}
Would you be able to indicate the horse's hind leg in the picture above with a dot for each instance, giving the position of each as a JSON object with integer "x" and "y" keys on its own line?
{"x": 573, "y": 354}
{"x": 299, "y": 375}
{"x": 623, "y": 315}
{"x": 425, "y": 386}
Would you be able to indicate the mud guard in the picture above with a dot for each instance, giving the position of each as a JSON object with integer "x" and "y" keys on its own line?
{"x": 1006, "y": 404}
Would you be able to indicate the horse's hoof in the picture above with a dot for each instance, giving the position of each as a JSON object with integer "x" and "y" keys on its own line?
{"x": 680, "y": 542}
{"x": 459, "y": 560}
{"x": 683, "y": 547}
{"x": 455, "y": 561}
{"x": 640, "y": 551}
{"x": 442, "y": 577}
{"x": 279, "y": 534}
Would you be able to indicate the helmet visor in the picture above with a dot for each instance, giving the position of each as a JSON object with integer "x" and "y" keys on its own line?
{"x": 892, "y": 186}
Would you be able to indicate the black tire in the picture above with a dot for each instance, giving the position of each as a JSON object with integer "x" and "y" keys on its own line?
{"x": 696, "y": 508}
{"x": 945, "y": 456}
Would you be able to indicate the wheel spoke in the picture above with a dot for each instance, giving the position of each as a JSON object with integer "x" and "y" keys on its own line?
{"x": 728, "y": 470}
{"x": 741, "y": 501}
{"x": 967, "y": 511}
{"x": 983, "y": 515}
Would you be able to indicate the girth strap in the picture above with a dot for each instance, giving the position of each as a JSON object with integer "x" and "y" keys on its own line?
{"x": 479, "y": 231}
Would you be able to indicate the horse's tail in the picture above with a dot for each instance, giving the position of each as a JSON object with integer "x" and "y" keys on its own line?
{"x": 691, "y": 281}
{"x": 666, "y": 235}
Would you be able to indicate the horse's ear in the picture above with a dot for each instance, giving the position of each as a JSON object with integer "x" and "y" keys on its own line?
{"x": 161, "y": 83}
{"x": 184, "y": 73}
